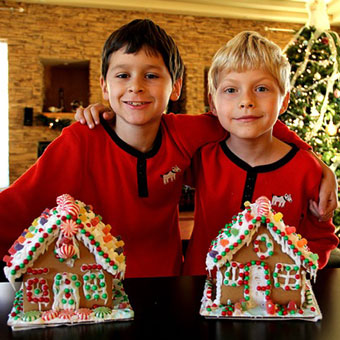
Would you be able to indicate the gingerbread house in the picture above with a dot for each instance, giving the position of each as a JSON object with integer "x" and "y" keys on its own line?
{"x": 260, "y": 268}
{"x": 71, "y": 269}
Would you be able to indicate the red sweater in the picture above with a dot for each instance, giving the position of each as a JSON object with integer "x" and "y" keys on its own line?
{"x": 137, "y": 193}
{"x": 224, "y": 182}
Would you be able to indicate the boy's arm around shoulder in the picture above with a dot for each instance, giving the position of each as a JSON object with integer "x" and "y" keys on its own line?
{"x": 321, "y": 237}
{"x": 282, "y": 132}
{"x": 328, "y": 201}
{"x": 193, "y": 131}
{"x": 319, "y": 234}
{"x": 39, "y": 187}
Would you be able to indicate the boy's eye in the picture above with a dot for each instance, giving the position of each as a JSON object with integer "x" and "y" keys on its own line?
{"x": 151, "y": 76}
{"x": 230, "y": 90}
{"x": 122, "y": 75}
{"x": 261, "y": 89}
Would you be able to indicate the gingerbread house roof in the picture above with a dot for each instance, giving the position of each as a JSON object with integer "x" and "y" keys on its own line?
{"x": 244, "y": 226}
{"x": 67, "y": 223}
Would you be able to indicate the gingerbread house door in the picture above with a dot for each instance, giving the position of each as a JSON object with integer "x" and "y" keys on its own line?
{"x": 257, "y": 284}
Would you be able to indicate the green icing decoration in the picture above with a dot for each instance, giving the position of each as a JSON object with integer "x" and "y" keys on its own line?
{"x": 314, "y": 257}
{"x": 235, "y": 231}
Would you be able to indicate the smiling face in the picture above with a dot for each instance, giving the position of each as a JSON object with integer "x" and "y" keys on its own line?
{"x": 248, "y": 103}
{"x": 138, "y": 87}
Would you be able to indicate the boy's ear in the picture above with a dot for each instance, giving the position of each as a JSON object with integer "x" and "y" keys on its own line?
{"x": 285, "y": 103}
{"x": 212, "y": 105}
{"x": 103, "y": 85}
{"x": 176, "y": 89}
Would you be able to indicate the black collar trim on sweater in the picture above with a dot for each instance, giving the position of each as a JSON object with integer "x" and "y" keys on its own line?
{"x": 261, "y": 168}
{"x": 129, "y": 149}
{"x": 141, "y": 166}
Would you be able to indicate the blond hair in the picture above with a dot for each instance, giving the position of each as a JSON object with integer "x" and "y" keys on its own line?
{"x": 248, "y": 51}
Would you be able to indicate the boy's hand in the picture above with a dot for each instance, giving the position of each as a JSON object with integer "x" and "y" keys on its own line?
{"x": 91, "y": 114}
{"x": 328, "y": 198}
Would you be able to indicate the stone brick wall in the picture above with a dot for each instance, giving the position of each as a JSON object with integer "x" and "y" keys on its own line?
{"x": 78, "y": 34}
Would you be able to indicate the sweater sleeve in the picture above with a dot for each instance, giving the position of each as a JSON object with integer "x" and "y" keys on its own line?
{"x": 52, "y": 175}
{"x": 320, "y": 235}
{"x": 192, "y": 132}
{"x": 282, "y": 132}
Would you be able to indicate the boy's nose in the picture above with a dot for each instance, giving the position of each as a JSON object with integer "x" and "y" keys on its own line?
{"x": 246, "y": 105}
{"x": 136, "y": 86}
{"x": 246, "y": 101}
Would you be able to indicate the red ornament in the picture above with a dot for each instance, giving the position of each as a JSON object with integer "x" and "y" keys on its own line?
{"x": 325, "y": 40}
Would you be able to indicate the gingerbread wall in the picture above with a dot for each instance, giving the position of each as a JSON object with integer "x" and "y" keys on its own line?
{"x": 246, "y": 255}
{"x": 74, "y": 33}
{"x": 53, "y": 266}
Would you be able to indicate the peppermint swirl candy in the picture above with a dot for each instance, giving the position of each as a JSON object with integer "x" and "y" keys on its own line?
{"x": 31, "y": 316}
{"x": 102, "y": 312}
{"x": 50, "y": 315}
{"x": 66, "y": 251}
{"x": 66, "y": 314}
{"x": 67, "y": 204}
{"x": 84, "y": 313}
{"x": 263, "y": 206}
{"x": 69, "y": 228}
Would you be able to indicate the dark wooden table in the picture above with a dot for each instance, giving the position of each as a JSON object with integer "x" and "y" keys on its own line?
{"x": 167, "y": 308}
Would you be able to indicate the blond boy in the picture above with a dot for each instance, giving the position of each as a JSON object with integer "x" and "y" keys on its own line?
{"x": 249, "y": 89}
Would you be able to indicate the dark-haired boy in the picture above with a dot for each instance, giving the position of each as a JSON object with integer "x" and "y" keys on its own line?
{"x": 131, "y": 170}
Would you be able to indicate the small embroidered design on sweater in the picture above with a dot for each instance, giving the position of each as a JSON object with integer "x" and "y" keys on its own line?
{"x": 280, "y": 201}
{"x": 170, "y": 176}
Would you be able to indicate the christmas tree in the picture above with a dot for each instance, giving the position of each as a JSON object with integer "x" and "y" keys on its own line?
{"x": 314, "y": 110}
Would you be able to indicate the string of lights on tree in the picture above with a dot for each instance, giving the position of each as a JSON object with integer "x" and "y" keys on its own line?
{"x": 314, "y": 107}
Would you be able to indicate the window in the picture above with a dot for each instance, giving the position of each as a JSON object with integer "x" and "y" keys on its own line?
{"x": 94, "y": 286}
{"x": 287, "y": 276}
{"x": 234, "y": 274}
{"x": 4, "y": 178}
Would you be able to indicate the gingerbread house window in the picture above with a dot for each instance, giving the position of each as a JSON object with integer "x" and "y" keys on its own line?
{"x": 263, "y": 246}
{"x": 37, "y": 290}
{"x": 66, "y": 291}
{"x": 94, "y": 284}
{"x": 287, "y": 276}
{"x": 234, "y": 274}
